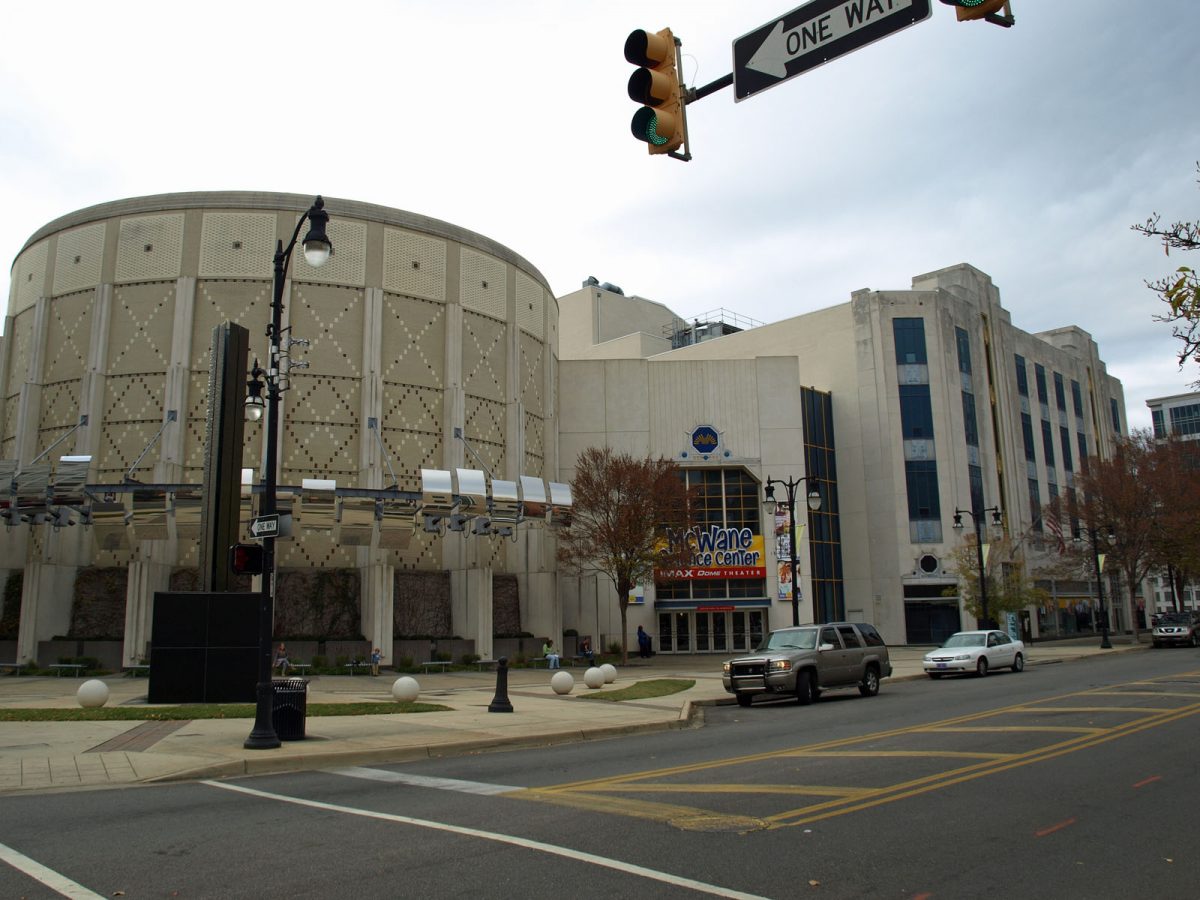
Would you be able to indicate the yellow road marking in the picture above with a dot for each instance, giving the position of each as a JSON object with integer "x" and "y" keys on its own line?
{"x": 588, "y": 794}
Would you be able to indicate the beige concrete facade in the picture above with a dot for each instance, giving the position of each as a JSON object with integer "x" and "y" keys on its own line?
{"x": 418, "y": 324}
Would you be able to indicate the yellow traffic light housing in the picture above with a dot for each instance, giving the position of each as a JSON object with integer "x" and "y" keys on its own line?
{"x": 661, "y": 122}
{"x": 967, "y": 10}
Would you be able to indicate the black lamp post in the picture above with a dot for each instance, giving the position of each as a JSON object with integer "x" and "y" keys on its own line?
{"x": 814, "y": 503}
{"x": 317, "y": 250}
{"x": 977, "y": 518}
{"x": 1105, "y": 643}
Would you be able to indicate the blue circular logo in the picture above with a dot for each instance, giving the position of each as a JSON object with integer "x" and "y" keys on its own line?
{"x": 705, "y": 439}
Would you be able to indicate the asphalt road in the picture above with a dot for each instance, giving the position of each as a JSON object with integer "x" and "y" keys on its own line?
{"x": 1064, "y": 781}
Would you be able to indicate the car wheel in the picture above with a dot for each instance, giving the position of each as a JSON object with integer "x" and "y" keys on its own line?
{"x": 744, "y": 699}
{"x": 1018, "y": 663}
{"x": 935, "y": 675}
{"x": 869, "y": 686}
{"x": 805, "y": 689}
{"x": 981, "y": 667}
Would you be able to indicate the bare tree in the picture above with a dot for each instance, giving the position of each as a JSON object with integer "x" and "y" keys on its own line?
{"x": 1180, "y": 291}
{"x": 1120, "y": 509}
{"x": 622, "y": 510}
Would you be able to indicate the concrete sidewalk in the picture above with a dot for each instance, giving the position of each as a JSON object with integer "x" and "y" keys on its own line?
{"x": 38, "y": 756}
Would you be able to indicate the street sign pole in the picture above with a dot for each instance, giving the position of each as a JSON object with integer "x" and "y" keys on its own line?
{"x": 814, "y": 34}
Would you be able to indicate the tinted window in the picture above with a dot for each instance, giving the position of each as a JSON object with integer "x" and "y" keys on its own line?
{"x": 870, "y": 635}
{"x": 829, "y": 636}
{"x": 849, "y": 636}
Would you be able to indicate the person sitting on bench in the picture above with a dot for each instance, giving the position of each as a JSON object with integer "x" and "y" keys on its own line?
{"x": 550, "y": 653}
{"x": 281, "y": 660}
{"x": 585, "y": 650}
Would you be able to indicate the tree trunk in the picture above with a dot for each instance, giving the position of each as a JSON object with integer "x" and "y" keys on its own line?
{"x": 1131, "y": 607}
{"x": 623, "y": 605}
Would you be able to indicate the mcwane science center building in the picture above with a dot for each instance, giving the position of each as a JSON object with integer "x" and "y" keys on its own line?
{"x": 426, "y": 447}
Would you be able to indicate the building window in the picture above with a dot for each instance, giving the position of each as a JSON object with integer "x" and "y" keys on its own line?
{"x": 1160, "y": 430}
{"x": 1116, "y": 414}
{"x": 963, "y": 340}
{"x": 970, "y": 424}
{"x": 1048, "y": 443}
{"x": 1065, "y": 436}
{"x": 916, "y": 412}
{"x": 975, "y": 479}
{"x": 1077, "y": 398}
{"x": 1060, "y": 394}
{"x": 1022, "y": 376}
{"x": 1185, "y": 419}
{"x": 1039, "y": 373}
{"x": 1081, "y": 438}
{"x": 1027, "y": 433}
{"x": 825, "y": 536}
{"x": 1035, "y": 504}
{"x": 923, "y": 501}
{"x": 910, "y": 341}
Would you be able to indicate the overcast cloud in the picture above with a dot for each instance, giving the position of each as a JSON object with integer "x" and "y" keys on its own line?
{"x": 1027, "y": 152}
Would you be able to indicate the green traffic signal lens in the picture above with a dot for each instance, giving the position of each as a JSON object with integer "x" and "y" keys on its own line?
{"x": 645, "y": 127}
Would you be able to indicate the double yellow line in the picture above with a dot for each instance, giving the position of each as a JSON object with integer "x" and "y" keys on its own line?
{"x": 601, "y": 794}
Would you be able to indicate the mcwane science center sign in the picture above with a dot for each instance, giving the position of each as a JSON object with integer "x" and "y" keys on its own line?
{"x": 718, "y": 552}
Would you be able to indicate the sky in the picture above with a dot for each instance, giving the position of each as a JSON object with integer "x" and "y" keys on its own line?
{"x": 1027, "y": 152}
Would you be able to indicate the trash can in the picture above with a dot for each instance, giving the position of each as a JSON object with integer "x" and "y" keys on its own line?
{"x": 289, "y": 707}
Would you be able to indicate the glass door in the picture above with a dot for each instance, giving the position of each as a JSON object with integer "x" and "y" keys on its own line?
{"x": 704, "y": 629}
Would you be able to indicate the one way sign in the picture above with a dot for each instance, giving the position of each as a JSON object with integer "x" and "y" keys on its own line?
{"x": 814, "y": 34}
{"x": 265, "y": 526}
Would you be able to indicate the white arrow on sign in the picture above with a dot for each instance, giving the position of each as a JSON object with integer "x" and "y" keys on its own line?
{"x": 265, "y": 526}
{"x": 782, "y": 46}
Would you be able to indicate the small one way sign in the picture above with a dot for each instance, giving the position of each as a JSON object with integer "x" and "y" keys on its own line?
{"x": 814, "y": 34}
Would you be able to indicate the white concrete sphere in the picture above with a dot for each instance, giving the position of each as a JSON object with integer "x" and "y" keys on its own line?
{"x": 405, "y": 689}
{"x": 610, "y": 673}
{"x": 593, "y": 678}
{"x": 562, "y": 682}
{"x": 92, "y": 693}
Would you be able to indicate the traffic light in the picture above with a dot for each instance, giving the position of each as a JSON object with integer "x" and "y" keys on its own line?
{"x": 246, "y": 559}
{"x": 660, "y": 122}
{"x": 975, "y": 9}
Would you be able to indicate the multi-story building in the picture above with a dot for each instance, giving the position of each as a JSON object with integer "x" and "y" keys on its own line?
{"x": 436, "y": 348}
{"x": 1178, "y": 416}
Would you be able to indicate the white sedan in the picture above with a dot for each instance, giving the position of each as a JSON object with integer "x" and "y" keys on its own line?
{"x": 975, "y": 651}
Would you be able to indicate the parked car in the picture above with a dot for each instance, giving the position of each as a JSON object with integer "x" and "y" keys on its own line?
{"x": 805, "y": 660}
{"x": 1176, "y": 628}
{"x": 975, "y": 651}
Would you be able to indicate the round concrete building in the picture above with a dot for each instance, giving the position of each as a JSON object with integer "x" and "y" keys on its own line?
{"x": 429, "y": 347}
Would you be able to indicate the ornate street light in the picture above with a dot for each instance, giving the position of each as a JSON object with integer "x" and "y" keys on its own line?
{"x": 985, "y": 621}
{"x": 317, "y": 251}
{"x": 1105, "y": 643}
{"x": 814, "y": 503}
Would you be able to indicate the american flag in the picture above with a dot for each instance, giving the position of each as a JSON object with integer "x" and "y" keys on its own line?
{"x": 1054, "y": 526}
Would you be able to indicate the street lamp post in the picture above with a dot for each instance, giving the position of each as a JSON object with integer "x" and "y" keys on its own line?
{"x": 977, "y": 518}
{"x": 317, "y": 250}
{"x": 814, "y": 503}
{"x": 1105, "y": 643}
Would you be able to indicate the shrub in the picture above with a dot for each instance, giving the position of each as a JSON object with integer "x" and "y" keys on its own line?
{"x": 406, "y": 662}
{"x": 319, "y": 662}
{"x": 469, "y": 659}
{"x": 443, "y": 656}
{"x": 615, "y": 648}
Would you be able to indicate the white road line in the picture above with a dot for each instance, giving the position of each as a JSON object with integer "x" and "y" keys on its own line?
{"x": 441, "y": 784}
{"x": 51, "y": 879}
{"x": 566, "y": 852}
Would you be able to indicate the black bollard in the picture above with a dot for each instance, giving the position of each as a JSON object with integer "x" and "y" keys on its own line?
{"x": 500, "y": 701}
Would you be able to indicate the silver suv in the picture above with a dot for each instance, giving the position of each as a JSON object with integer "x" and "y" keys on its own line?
{"x": 1176, "y": 628}
{"x": 805, "y": 660}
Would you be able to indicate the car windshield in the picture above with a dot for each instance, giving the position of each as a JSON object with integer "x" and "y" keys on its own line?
{"x": 965, "y": 640}
{"x": 795, "y": 639}
{"x": 1174, "y": 619}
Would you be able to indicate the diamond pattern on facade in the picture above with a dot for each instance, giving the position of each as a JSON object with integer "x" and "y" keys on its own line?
{"x": 246, "y": 302}
{"x": 348, "y": 265}
{"x": 313, "y": 549}
{"x": 133, "y": 414}
{"x": 533, "y": 355}
{"x": 483, "y": 426}
{"x": 535, "y": 445}
{"x": 484, "y": 359}
{"x": 68, "y": 333}
{"x": 142, "y": 320}
{"x": 331, "y": 320}
{"x": 413, "y": 341}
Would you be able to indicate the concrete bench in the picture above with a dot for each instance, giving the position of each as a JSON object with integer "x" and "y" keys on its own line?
{"x": 440, "y": 665}
{"x": 302, "y": 668}
{"x": 15, "y": 667}
{"x": 76, "y": 668}
{"x": 562, "y": 661}
{"x": 356, "y": 665}
{"x": 481, "y": 664}
{"x": 137, "y": 669}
